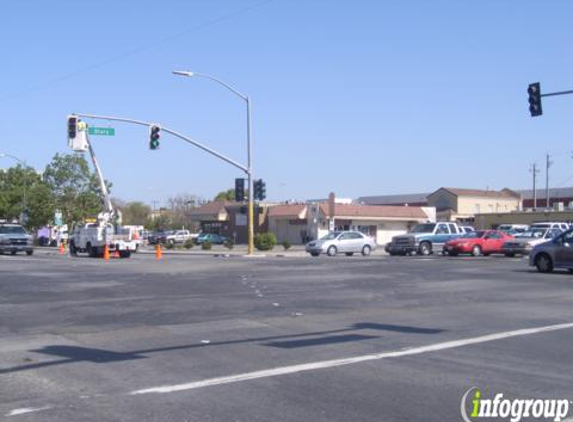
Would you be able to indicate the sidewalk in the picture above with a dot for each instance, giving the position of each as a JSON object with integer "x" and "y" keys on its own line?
{"x": 220, "y": 250}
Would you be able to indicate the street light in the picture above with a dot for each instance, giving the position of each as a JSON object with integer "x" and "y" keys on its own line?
{"x": 24, "y": 202}
{"x": 249, "y": 171}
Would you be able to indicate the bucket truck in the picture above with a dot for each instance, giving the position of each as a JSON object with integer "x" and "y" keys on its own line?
{"x": 92, "y": 237}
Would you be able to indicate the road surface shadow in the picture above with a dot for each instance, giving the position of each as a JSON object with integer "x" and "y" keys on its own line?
{"x": 76, "y": 354}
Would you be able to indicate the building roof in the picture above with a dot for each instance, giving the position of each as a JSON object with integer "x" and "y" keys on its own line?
{"x": 297, "y": 211}
{"x": 504, "y": 193}
{"x": 375, "y": 211}
{"x": 410, "y": 198}
{"x": 553, "y": 193}
{"x": 214, "y": 207}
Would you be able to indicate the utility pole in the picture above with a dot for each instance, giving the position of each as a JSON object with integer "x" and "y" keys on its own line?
{"x": 548, "y": 163}
{"x": 534, "y": 170}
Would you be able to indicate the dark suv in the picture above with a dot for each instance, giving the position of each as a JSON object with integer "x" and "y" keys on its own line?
{"x": 13, "y": 238}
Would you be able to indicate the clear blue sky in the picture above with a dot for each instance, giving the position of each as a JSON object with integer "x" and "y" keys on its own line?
{"x": 356, "y": 97}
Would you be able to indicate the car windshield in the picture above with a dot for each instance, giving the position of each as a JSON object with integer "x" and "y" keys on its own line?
{"x": 474, "y": 235}
{"x": 330, "y": 236}
{"x": 12, "y": 230}
{"x": 535, "y": 233}
{"x": 424, "y": 228}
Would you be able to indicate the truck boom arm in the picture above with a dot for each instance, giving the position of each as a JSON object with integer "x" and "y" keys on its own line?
{"x": 108, "y": 207}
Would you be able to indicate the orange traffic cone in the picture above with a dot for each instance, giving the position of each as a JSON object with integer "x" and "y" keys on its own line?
{"x": 158, "y": 252}
{"x": 106, "y": 253}
{"x": 62, "y": 248}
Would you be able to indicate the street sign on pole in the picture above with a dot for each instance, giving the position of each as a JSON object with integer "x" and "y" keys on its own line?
{"x": 101, "y": 131}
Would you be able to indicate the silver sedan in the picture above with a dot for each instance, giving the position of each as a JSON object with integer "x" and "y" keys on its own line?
{"x": 347, "y": 242}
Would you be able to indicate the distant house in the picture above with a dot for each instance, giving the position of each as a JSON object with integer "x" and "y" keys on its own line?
{"x": 228, "y": 219}
{"x": 556, "y": 196}
{"x": 461, "y": 205}
{"x": 298, "y": 223}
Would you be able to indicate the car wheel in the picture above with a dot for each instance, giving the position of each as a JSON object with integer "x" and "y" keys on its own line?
{"x": 476, "y": 250}
{"x": 73, "y": 249}
{"x": 544, "y": 263}
{"x": 124, "y": 254}
{"x": 366, "y": 250}
{"x": 30, "y": 252}
{"x": 425, "y": 248}
{"x": 331, "y": 251}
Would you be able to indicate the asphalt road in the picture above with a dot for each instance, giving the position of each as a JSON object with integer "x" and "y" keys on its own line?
{"x": 199, "y": 338}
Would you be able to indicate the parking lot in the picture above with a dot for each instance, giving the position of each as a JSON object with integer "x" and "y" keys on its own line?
{"x": 294, "y": 338}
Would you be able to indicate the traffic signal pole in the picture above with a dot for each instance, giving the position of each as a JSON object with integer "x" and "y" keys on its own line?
{"x": 251, "y": 227}
{"x": 170, "y": 131}
{"x": 247, "y": 169}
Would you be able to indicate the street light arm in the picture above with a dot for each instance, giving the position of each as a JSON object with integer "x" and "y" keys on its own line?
{"x": 204, "y": 75}
{"x": 15, "y": 158}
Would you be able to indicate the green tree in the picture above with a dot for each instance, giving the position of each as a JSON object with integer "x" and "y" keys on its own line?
{"x": 75, "y": 187}
{"x": 226, "y": 195}
{"x": 22, "y": 188}
{"x": 135, "y": 213}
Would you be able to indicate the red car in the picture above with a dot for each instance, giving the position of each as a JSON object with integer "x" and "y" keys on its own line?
{"x": 477, "y": 243}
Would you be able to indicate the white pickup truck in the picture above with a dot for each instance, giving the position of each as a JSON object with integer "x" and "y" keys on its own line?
{"x": 180, "y": 236}
{"x": 92, "y": 238}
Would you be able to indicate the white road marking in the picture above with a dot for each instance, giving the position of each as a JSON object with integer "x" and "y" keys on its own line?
{"x": 349, "y": 361}
{"x": 26, "y": 410}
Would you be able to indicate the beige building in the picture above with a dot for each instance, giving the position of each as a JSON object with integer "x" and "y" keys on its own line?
{"x": 461, "y": 205}
{"x": 299, "y": 223}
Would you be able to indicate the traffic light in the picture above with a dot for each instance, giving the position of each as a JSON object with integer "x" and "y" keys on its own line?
{"x": 154, "y": 136}
{"x": 259, "y": 189}
{"x": 72, "y": 127}
{"x": 239, "y": 190}
{"x": 534, "y": 91}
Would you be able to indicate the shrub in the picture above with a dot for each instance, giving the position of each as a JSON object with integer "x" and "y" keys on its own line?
{"x": 206, "y": 246}
{"x": 229, "y": 243}
{"x": 286, "y": 245}
{"x": 265, "y": 241}
{"x": 169, "y": 245}
{"x": 188, "y": 244}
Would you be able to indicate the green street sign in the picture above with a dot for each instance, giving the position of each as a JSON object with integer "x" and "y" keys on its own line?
{"x": 101, "y": 131}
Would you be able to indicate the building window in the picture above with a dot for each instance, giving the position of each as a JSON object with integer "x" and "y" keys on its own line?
{"x": 490, "y": 208}
{"x": 477, "y": 208}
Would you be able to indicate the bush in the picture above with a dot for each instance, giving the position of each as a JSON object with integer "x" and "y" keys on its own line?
{"x": 169, "y": 245}
{"x": 206, "y": 246}
{"x": 229, "y": 243}
{"x": 188, "y": 244}
{"x": 286, "y": 245}
{"x": 265, "y": 241}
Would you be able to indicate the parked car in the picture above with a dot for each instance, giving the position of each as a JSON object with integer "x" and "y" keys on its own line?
{"x": 348, "y": 242}
{"x": 523, "y": 243}
{"x": 424, "y": 239}
{"x": 550, "y": 225}
{"x": 215, "y": 239}
{"x": 157, "y": 237}
{"x": 513, "y": 229}
{"x": 477, "y": 243}
{"x": 180, "y": 236}
{"x": 557, "y": 253}
{"x": 13, "y": 239}
{"x": 467, "y": 229}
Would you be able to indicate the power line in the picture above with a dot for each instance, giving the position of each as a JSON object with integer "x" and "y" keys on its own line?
{"x": 135, "y": 51}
